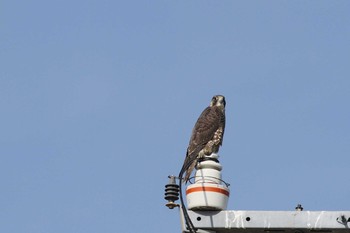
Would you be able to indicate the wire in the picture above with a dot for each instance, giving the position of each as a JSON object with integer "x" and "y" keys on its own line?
{"x": 213, "y": 177}
{"x": 187, "y": 218}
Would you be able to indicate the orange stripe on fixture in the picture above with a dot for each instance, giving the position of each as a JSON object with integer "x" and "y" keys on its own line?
{"x": 207, "y": 189}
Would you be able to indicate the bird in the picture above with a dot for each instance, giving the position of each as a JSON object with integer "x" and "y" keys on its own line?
{"x": 207, "y": 135}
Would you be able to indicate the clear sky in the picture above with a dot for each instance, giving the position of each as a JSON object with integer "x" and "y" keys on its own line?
{"x": 98, "y": 100}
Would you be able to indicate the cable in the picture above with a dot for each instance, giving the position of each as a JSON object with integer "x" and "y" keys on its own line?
{"x": 187, "y": 218}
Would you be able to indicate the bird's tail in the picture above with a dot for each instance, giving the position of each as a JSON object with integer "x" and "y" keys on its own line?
{"x": 189, "y": 171}
{"x": 190, "y": 162}
{"x": 188, "y": 166}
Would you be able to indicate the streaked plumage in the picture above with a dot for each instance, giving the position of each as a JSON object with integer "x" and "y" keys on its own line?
{"x": 207, "y": 134}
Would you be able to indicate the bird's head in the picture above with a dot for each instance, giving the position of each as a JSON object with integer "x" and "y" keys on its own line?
{"x": 218, "y": 100}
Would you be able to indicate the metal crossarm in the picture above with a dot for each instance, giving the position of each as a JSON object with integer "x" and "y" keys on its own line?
{"x": 241, "y": 221}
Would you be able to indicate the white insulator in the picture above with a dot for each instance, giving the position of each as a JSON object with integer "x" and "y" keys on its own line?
{"x": 209, "y": 164}
{"x": 208, "y": 192}
{"x": 208, "y": 171}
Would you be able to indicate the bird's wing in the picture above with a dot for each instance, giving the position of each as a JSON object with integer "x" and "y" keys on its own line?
{"x": 208, "y": 122}
{"x": 222, "y": 124}
{"x": 204, "y": 129}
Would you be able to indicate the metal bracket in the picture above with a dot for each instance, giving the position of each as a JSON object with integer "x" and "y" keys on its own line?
{"x": 242, "y": 221}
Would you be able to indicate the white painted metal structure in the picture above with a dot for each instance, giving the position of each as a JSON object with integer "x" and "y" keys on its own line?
{"x": 241, "y": 221}
{"x": 209, "y": 215}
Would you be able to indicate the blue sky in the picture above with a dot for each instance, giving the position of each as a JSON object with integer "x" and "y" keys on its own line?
{"x": 98, "y": 100}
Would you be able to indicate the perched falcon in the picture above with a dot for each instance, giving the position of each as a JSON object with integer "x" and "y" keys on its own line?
{"x": 207, "y": 134}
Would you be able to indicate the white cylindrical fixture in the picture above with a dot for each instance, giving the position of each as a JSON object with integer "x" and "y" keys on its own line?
{"x": 208, "y": 172}
{"x": 207, "y": 196}
{"x": 208, "y": 192}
